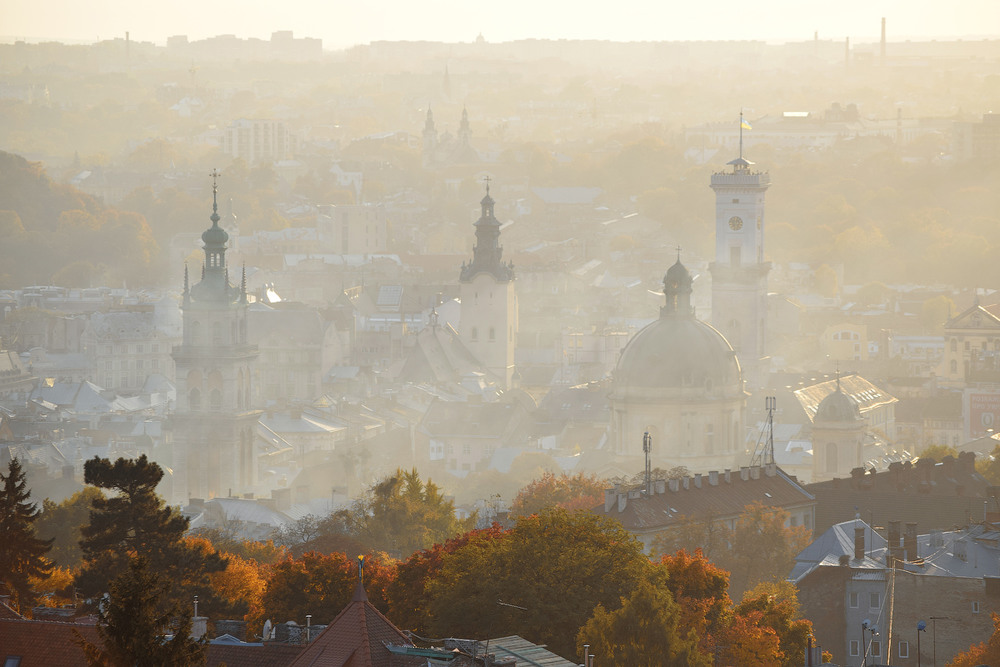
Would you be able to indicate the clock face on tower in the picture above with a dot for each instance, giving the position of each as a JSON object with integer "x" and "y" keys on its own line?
{"x": 736, "y": 223}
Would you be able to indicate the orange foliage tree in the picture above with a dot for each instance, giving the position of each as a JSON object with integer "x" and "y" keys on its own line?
{"x": 570, "y": 492}
{"x": 986, "y": 653}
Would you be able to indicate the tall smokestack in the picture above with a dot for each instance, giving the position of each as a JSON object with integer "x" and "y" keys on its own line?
{"x": 883, "y": 40}
{"x": 847, "y": 52}
{"x": 859, "y": 539}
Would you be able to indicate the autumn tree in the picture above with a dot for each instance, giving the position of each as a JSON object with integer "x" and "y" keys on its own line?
{"x": 763, "y": 547}
{"x": 22, "y": 554}
{"x": 134, "y": 520}
{"x": 775, "y": 606}
{"x": 321, "y": 585}
{"x": 541, "y": 579}
{"x": 700, "y": 589}
{"x": 400, "y": 515}
{"x": 570, "y": 492}
{"x": 407, "y": 592}
{"x": 985, "y": 653}
{"x": 645, "y": 630}
{"x": 135, "y": 620}
{"x": 62, "y": 523}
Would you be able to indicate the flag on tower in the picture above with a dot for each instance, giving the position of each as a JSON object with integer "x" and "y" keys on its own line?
{"x": 745, "y": 124}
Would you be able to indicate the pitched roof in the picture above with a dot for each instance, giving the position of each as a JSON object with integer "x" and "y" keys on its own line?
{"x": 44, "y": 643}
{"x": 252, "y": 655}
{"x": 356, "y": 637}
{"x": 698, "y": 496}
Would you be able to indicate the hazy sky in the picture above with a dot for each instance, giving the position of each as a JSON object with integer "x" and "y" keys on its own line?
{"x": 344, "y": 23}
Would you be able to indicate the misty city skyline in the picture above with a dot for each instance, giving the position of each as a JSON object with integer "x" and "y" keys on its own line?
{"x": 361, "y": 23}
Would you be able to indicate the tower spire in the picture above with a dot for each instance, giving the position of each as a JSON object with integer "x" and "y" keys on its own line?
{"x": 215, "y": 197}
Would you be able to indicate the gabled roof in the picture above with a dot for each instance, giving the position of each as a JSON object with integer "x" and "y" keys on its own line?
{"x": 975, "y": 317}
{"x": 439, "y": 354}
{"x": 356, "y": 637}
{"x": 44, "y": 643}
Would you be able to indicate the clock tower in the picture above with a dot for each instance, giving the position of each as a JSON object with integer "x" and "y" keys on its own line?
{"x": 739, "y": 272}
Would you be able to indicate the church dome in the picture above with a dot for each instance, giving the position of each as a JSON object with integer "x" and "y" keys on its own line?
{"x": 679, "y": 353}
{"x": 837, "y": 407}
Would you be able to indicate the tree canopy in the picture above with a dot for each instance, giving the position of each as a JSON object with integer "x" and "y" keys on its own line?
{"x": 571, "y": 492}
{"x": 134, "y": 520}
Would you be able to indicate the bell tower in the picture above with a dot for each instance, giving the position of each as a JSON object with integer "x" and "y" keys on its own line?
{"x": 739, "y": 272}
{"x": 488, "y": 324}
{"x": 213, "y": 423}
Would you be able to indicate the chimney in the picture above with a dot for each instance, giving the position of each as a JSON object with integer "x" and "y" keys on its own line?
{"x": 859, "y": 539}
{"x": 895, "y": 549}
{"x": 910, "y": 541}
{"x": 697, "y": 480}
{"x": 686, "y": 482}
{"x": 726, "y": 476}
{"x": 660, "y": 486}
{"x": 771, "y": 469}
{"x": 744, "y": 473}
{"x": 199, "y": 624}
{"x": 713, "y": 477}
{"x": 674, "y": 485}
{"x": 754, "y": 472}
{"x": 622, "y": 501}
{"x": 609, "y": 499}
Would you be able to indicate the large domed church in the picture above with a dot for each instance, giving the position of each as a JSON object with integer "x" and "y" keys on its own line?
{"x": 679, "y": 379}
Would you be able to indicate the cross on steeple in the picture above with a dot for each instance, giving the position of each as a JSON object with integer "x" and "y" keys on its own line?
{"x": 678, "y": 252}
{"x": 487, "y": 179}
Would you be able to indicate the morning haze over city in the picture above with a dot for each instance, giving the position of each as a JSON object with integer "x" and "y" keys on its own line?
{"x": 517, "y": 334}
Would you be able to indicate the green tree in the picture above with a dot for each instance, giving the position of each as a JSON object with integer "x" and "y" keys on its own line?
{"x": 134, "y": 520}
{"x": 644, "y": 631}
{"x": 400, "y": 515}
{"x": 22, "y": 554}
{"x": 542, "y": 579}
{"x": 938, "y": 452}
{"x": 62, "y": 523}
{"x": 134, "y": 621}
{"x": 577, "y": 491}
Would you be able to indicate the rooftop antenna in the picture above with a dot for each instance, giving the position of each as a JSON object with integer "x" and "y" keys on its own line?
{"x": 647, "y": 447}
{"x": 763, "y": 453}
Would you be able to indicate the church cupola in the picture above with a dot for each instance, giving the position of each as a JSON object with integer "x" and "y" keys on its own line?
{"x": 488, "y": 252}
{"x": 677, "y": 287}
{"x": 215, "y": 237}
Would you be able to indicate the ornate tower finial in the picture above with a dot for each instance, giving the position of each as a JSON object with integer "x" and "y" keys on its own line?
{"x": 185, "y": 279}
{"x": 215, "y": 197}
{"x": 486, "y": 180}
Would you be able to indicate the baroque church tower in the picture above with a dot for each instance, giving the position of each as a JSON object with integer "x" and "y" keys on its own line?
{"x": 488, "y": 324}
{"x": 739, "y": 272}
{"x": 213, "y": 423}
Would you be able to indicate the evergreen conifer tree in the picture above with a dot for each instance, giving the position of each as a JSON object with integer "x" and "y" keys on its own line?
{"x": 135, "y": 521}
{"x": 134, "y": 622}
{"x": 22, "y": 555}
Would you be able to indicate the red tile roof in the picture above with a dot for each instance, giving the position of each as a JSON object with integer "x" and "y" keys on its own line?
{"x": 268, "y": 655}
{"x": 356, "y": 638}
{"x": 44, "y": 643}
{"x": 7, "y": 612}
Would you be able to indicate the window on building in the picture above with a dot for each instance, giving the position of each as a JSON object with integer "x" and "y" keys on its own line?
{"x": 855, "y": 647}
{"x": 466, "y": 448}
{"x": 954, "y": 366}
{"x": 873, "y": 600}
{"x": 12, "y": 661}
{"x": 966, "y": 346}
{"x": 854, "y": 599}
{"x": 876, "y": 649}
{"x": 138, "y": 348}
{"x": 138, "y": 364}
{"x": 975, "y": 607}
{"x": 904, "y": 649}
{"x": 108, "y": 365}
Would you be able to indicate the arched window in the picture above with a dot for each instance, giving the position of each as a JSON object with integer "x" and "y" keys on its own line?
{"x": 954, "y": 366}
{"x": 954, "y": 345}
